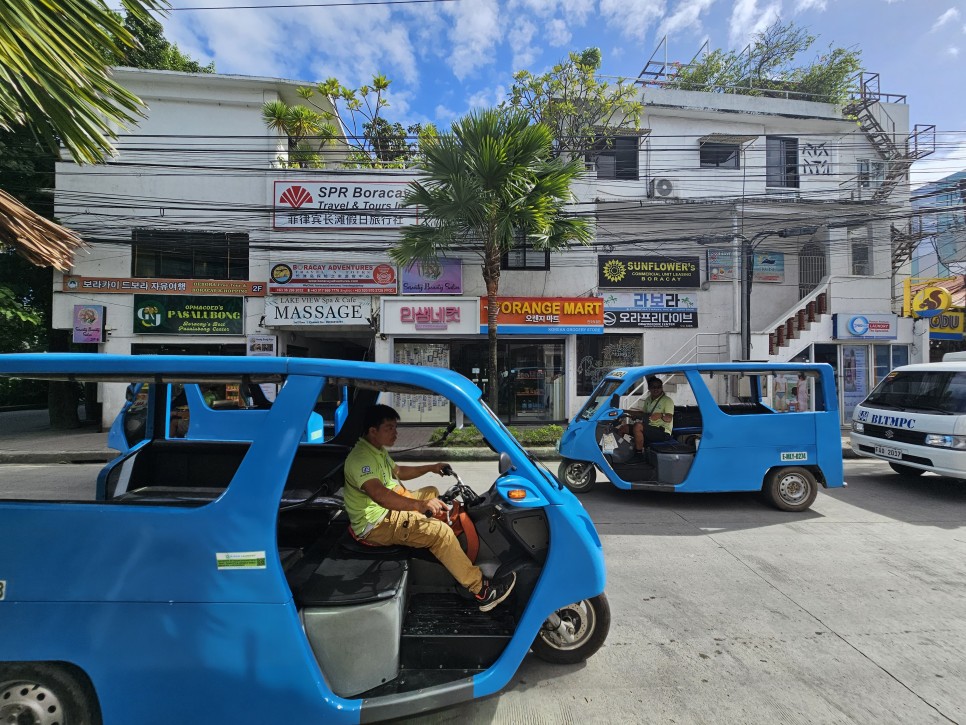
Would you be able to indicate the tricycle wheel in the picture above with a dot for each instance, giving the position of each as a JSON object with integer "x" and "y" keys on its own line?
{"x": 578, "y": 476}
{"x": 574, "y": 632}
{"x": 34, "y": 693}
{"x": 790, "y": 489}
{"x": 906, "y": 470}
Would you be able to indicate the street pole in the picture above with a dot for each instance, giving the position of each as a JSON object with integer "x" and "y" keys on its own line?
{"x": 747, "y": 274}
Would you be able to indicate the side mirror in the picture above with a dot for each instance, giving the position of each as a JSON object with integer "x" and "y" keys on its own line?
{"x": 615, "y": 401}
{"x": 505, "y": 463}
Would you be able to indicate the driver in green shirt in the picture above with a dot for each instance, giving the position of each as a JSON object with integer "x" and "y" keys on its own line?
{"x": 384, "y": 512}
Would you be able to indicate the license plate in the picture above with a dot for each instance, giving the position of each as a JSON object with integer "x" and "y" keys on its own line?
{"x": 888, "y": 452}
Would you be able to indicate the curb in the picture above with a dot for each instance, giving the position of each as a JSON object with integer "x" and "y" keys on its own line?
{"x": 57, "y": 456}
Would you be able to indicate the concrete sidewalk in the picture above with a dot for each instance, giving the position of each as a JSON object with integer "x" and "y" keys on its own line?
{"x": 26, "y": 437}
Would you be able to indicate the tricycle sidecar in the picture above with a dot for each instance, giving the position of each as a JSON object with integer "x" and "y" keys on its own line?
{"x": 736, "y": 427}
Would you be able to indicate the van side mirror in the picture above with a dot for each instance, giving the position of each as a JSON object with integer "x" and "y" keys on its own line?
{"x": 615, "y": 401}
{"x": 505, "y": 463}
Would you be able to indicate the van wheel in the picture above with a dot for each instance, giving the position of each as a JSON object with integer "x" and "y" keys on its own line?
{"x": 574, "y": 632}
{"x": 906, "y": 470}
{"x": 578, "y": 476}
{"x": 790, "y": 489}
{"x": 43, "y": 694}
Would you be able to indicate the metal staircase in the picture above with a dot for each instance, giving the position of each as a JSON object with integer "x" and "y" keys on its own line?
{"x": 904, "y": 241}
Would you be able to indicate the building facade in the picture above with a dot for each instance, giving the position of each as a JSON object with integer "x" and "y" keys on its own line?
{"x": 202, "y": 241}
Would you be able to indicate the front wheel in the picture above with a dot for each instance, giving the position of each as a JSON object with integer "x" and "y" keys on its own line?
{"x": 578, "y": 476}
{"x": 906, "y": 470}
{"x": 42, "y": 694}
{"x": 574, "y": 632}
{"x": 790, "y": 489}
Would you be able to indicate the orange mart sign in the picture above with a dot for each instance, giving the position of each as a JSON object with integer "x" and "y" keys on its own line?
{"x": 546, "y": 315}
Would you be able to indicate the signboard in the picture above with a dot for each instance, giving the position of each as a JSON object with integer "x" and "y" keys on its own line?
{"x": 127, "y": 285}
{"x": 430, "y": 315}
{"x": 947, "y": 326}
{"x": 650, "y": 309}
{"x": 337, "y": 203}
{"x": 767, "y": 266}
{"x": 262, "y": 345}
{"x": 638, "y": 272}
{"x": 546, "y": 316}
{"x": 446, "y": 278}
{"x": 332, "y": 278}
{"x": 865, "y": 327}
{"x": 173, "y": 315}
{"x": 317, "y": 311}
{"x": 855, "y": 377}
{"x": 88, "y": 323}
{"x": 930, "y": 302}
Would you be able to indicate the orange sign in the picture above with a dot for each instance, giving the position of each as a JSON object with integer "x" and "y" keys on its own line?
{"x": 547, "y": 315}
{"x": 140, "y": 285}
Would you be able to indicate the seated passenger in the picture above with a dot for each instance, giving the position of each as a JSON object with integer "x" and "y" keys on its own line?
{"x": 655, "y": 414}
{"x": 383, "y": 512}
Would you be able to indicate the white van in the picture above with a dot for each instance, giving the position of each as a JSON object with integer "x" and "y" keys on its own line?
{"x": 916, "y": 420}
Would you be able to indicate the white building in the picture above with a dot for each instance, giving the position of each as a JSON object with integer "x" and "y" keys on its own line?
{"x": 201, "y": 243}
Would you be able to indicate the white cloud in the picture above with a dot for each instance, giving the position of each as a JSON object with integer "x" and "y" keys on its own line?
{"x": 486, "y": 98}
{"x": 802, "y": 5}
{"x": 632, "y": 17}
{"x": 952, "y": 51}
{"x": 474, "y": 35}
{"x": 940, "y": 164}
{"x": 558, "y": 33}
{"x": 747, "y": 19}
{"x": 687, "y": 15}
{"x": 949, "y": 16}
{"x": 520, "y": 39}
{"x": 574, "y": 12}
{"x": 444, "y": 116}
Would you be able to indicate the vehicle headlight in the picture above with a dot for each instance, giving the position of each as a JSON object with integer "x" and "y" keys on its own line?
{"x": 858, "y": 427}
{"x": 957, "y": 443}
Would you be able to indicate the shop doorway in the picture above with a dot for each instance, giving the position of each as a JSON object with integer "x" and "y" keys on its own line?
{"x": 530, "y": 375}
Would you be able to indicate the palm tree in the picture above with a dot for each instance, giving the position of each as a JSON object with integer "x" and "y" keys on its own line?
{"x": 54, "y": 79}
{"x": 489, "y": 184}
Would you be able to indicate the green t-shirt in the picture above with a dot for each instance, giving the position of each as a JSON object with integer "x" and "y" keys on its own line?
{"x": 663, "y": 405}
{"x": 366, "y": 462}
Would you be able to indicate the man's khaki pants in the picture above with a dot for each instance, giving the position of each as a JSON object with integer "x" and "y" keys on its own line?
{"x": 416, "y": 529}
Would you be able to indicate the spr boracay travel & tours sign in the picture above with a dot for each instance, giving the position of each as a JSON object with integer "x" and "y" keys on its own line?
{"x": 335, "y": 203}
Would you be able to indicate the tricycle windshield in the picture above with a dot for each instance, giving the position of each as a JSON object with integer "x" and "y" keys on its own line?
{"x": 601, "y": 396}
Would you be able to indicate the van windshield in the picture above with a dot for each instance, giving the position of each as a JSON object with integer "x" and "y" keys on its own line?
{"x": 921, "y": 390}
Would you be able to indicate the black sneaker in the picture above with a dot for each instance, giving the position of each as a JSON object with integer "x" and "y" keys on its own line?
{"x": 493, "y": 593}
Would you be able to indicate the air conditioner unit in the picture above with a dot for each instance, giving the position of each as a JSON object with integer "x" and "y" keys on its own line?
{"x": 661, "y": 189}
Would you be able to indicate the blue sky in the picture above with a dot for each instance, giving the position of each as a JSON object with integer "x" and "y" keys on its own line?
{"x": 445, "y": 58}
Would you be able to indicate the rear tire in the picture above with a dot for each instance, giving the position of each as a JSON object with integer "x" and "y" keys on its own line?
{"x": 589, "y": 620}
{"x": 37, "y": 693}
{"x": 906, "y": 470}
{"x": 578, "y": 476}
{"x": 790, "y": 489}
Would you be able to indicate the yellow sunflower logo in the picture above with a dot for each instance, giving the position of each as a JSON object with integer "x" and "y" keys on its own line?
{"x": 614, "y": 270}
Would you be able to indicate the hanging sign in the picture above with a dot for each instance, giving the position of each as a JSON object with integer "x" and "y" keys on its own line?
{"x": 337, "y": 203}
{"x": 768, "y": 266}
{"x": 638, "y": 272}
{"x": 867, "y": 327}
{"x": 173, "y": 315}
{"x": 88, "y": 323}
{"x": 546, "y": 315}
{"x": 947, "y": 326}
{"x": 931, "y": 301}
{"x": 262, "y": 345}
{"x": 332, "y": 278}
{"x": 317, "y": 311}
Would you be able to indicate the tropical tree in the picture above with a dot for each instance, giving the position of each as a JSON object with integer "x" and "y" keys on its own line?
{"x": 490, "y": 184}
{"x": 582, "y": 111}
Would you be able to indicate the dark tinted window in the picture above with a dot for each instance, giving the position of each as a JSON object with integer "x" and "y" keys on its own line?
{"x": 616, "y": 158}
{"x": 925, "y": 391}
{"x": 179, "y": 254}
{"x": 720, "y": 156}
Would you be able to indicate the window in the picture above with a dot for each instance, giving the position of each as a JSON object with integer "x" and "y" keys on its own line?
{"x": 524, "y": 256}
{"x": 720, "y": 156}
{"x": 597, "y": 355}
{"x": 616, "y": 158}
{"x": 870, "y": 173}
{"x": 180, "y": 254}
{"x": 781, "y": 162}
{"x": 861, "y": 252}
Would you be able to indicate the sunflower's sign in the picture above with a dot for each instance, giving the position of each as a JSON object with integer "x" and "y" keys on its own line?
{"x": 638, "y": 272}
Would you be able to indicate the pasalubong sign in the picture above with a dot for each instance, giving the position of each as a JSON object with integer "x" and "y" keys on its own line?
{"x": 645, "y": 272}
{"x": 187, "y": 315}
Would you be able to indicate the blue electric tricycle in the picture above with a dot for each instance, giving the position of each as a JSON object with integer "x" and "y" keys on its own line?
{"x": 214, "y": 580}
{"x": 763, "y": 427}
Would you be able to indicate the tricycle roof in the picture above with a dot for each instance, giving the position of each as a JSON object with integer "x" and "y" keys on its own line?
{"x": 750, "y": 367}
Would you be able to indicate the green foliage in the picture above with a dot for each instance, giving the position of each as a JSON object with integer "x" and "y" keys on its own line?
{"x": 578, "y": 108}
{"x": 470, "y": 437}
{"x": 491, "y": 183}
{"x": 153, "y": 50}
{"x": 772, "y": 67}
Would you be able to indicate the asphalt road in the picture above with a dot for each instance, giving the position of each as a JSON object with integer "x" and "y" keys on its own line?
{"x": 725, "y": 610}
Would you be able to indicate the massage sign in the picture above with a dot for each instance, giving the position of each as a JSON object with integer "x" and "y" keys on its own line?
{"x": 188, "y": 315}
{"x": 648, "y": 272}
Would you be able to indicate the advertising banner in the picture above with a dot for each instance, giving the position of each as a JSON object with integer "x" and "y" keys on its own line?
{"x": 446, "y": 278}
{"x": 650, "y": 309}
{"x": 948, "y": 325}
{"x": 430, "y": 315}
{"x": 317, "y": 311}
{"x": 332, "y": 278}
{"x": 88, "y": 323}
{"x": 546, "y": 316}
{"x": 855, "y": 377}
{"x": 768, "y": 266}
{"x": 337, "y": 203}
{"x": 638, "y": 272}
{"x": 262, "y": 345}
{"x": 865, "y": 327}
{"x": 173, "y": 315}
{"x": 127, "y": 285}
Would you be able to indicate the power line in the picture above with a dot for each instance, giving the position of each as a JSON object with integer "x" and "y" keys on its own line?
{"x": 292, "y": 6}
